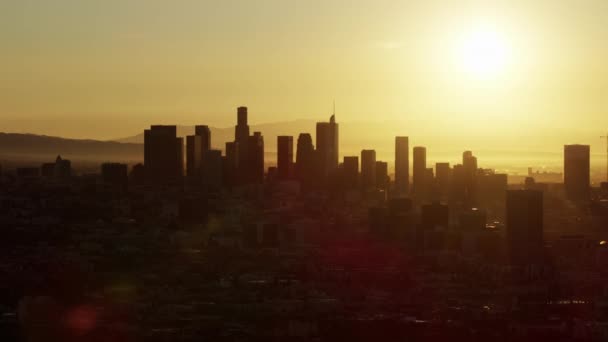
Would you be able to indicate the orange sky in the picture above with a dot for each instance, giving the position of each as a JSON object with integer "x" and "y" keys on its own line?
{"x": 108, "y": 69}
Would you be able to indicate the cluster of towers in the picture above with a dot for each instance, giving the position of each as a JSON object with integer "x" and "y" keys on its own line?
{"x": 243, "y": 162}
{"x": 317, "y": 166}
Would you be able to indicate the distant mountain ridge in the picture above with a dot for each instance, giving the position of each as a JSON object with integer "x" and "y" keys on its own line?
{"x": 42, "y": 147}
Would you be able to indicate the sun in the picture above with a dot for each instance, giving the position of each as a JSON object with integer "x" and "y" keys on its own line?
{"x": 483, "y": 53}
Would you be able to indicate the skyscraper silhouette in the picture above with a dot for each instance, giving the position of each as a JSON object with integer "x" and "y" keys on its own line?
{"x": 255, "y": 162}
{"x": 402, "y": 165}
{"x": 204, "y": 132}
{"x": 212, "y": 170}
{"x": 576, "y": 172}
{"x": 442, "y": 177}
{"x": 469, "y": 164}
{"x": 368, "y": 169}
{"x": 194, "y": 156}
{"x": 305, "y": 160}
{"x": 284, "y": 156}
{"x": 418, "y": 184}
{"x": 231, "y": 164}
{"x": 524, "y": 226}
{"x": 382, "y": 179}
{"x": 327, "y": 146}
{"x": 163, "y": 154}
{"x": 241, "y": 136}
{"x": 241, "y": 131}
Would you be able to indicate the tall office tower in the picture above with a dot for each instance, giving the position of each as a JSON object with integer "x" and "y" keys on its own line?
{"x": 576, "y": 172}
{"x": 241, "y": 131}
{"x": 327, "y": 145}
{"x": 241, "y": 136}
{"x": 524, "y": 226}
{"x": 255, "y": 164}
{"x": 402, "y": 165}
{"x": 284, "y": 156}
{"x": 204, "y": 132}
{"x": 419, "y": 171}
{"x": 163, "y": 154}
{"x": 230, "y": 164}
{"x": 469, "y": 164}
{"x": 350, "y": 174}
{"x": 382, "y": 179}
{"x": 194, "y": 156}
{"x": 442, "y": 178}
{"x": 305, "y": 160}
{"x": 212, "y": 170}
{"x": 368, "y": 169}
{"x": 115, "y": 175}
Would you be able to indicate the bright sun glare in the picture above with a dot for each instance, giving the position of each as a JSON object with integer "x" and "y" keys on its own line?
{"x": 483, "y": 53}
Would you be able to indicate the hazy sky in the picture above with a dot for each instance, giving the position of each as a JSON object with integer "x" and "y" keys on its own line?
{"x": 105, "y": 69}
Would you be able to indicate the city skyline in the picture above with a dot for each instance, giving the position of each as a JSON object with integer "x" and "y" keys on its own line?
{"x": 318, "y": 170}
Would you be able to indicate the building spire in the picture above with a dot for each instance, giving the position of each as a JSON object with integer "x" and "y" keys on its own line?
{"x": 333, "y": 115}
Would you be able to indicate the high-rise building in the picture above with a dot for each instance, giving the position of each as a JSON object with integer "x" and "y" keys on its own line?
{"x": 305, "y": 160}
{"x": 382, "y": 179}
{"x": 419, "y": 178}
{"x": 212, "y": 170}
{"x": 284, "y": 156}
{"x": 368, "y": 169}
{"x": 204, "y": 132}
{"x": 231, "y": 164}
{"x": 163, "y": 154}
{"x": 350, "y": 175}
{"x": 442, "y": 178}
{"x": 255, "y": 163}
{"x": 402, "y": 165}
{"x": 491, "y": 187}
{"x": 327, "y": 145}
{"x": 241, "y": 131}
{"x": 524, "y": 218}
{"x": 576, "y": 172}
{"x": 241, "y": 136}
{"x": 194, "y": 156}
{"x": 469, "y": 164}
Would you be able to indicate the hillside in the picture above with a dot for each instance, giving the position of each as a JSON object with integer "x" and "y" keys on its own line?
{"x": 32, "y": 147}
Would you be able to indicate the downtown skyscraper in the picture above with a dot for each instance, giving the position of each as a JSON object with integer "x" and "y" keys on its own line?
{"x": 576, "y": 172}
{"x": 327, "y": 146}
{"x": 402, "y": 165}
{"x": 163, "y": 154}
